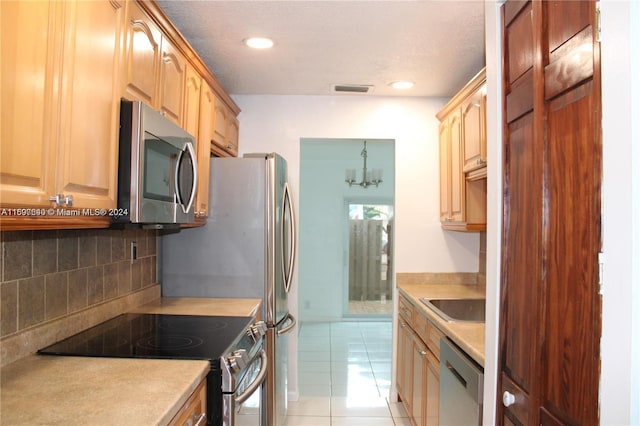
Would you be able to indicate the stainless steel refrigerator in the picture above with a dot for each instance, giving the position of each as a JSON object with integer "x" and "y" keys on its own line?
{"x": 246, "y": 250}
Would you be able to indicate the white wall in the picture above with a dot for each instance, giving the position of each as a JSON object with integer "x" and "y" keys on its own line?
{"x": 277, "y": 123}
{"x": 620, "y": 346}
{"x": 620, "y": 353}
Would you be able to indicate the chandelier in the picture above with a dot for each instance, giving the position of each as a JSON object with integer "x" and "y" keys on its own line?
{"x": 376, "y": 174}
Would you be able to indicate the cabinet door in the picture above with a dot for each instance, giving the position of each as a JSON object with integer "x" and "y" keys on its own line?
{"x": 405, "y": 364}
{"x": 432, "y": 391}
{"x": 420, "y": 368}
{"x": 193, "y": 87}
{"x": 455, "y": 169}
{"x": 474, "y": 131}
{"x": 444, "y": 170}
{"x": 142, "y": 68}
{"x": 31, "y": 39}
{"x": 220, "y": 119}
{"x": 205, "y": 138}
{"x": 233, "y": 132}
{"x": 452, "y": 182}
{"x": 87, "y": 166}
{"x": 172, "y": 81}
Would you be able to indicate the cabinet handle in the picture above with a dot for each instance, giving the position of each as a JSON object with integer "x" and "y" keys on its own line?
{"x": 508, "y": 399}
{"x": 423, "y": 353}
{"x": 62, "y": 200}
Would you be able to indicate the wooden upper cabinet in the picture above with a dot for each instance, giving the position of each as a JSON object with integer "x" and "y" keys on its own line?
{"x": 89, "y": 133}
{"x": 462, "y": 141}
{"x": 31, "y": 37}
{"x": 233, "y": 134}
{"x": 226, "y": 128}
{"x": 452, "y": 188}
{"x": 155, "y": 69}
{"x": 192, "y": 92}
{"x": 143, "y": 55}
{"x": 205, "y": 140}
{"x": 474, "y": 130}
{"x": 66, "y": 65}
{"x": 445, "y": 184}
{"x": 60, "y": 136}
{"x": 173, "y": 71}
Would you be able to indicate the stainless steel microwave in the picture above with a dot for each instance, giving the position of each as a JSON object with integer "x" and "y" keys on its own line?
{"x": 157, "y": 169}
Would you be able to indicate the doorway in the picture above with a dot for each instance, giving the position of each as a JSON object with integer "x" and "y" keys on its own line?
{"x": 368, "y": 289}
{"x": 323, "y": 239}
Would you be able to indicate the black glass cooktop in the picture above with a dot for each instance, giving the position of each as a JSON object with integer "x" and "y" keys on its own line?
{"x": 158, "y": 336}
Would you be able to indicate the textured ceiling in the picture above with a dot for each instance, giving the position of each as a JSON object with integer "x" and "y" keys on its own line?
{"x": 437, "y": 44}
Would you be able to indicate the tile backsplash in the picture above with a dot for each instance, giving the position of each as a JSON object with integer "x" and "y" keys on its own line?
{"x": 48, "y": 275}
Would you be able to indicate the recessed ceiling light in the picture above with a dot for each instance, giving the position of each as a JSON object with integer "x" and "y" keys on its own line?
{"x": 259, "y": 42}
{"x": 402, "y": 85}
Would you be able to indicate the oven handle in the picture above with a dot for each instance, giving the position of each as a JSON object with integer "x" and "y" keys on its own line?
{"x": 257, "y": 382}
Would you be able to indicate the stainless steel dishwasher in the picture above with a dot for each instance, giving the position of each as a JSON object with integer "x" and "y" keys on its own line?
{"x": 461, "y": 383}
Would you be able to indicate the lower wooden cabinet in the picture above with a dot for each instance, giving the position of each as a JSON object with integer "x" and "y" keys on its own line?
{"x": 194, "y": 411}
{"x": 418, "y": 366}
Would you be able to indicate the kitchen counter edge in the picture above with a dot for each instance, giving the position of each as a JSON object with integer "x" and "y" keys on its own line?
{"x": 27, "y": 384}
{"x": 470, "y": 337}
{"x": 68, "y": 390}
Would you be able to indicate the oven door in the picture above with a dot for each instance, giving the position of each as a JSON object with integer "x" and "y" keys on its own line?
{"x": 243, "y": 407}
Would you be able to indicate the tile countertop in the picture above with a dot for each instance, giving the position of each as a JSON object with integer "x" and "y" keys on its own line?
{"x": 201, "y": 306}
{"x": 67, "y": 390}
{"x": 469, "y": 336}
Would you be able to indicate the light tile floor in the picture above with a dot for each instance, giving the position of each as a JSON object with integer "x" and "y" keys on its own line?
{"x": 344, "y": 376}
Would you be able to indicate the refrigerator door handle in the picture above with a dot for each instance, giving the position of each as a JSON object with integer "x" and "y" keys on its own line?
{"x": 287, "y": 270}
{"x": 289, "y": 327}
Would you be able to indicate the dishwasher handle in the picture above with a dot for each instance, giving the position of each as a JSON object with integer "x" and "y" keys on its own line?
{"x": 455, "y": 373}
{"x": 463, "y": 368}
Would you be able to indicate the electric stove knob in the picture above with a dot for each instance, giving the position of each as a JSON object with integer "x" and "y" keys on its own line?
{"x": 238, "y": 360}
{"x": 259, "y": 329}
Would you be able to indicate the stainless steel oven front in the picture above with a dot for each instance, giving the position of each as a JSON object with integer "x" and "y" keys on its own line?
{"x": 243, "y": 377}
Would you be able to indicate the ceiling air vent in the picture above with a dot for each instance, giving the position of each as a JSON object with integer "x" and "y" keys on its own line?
{"x": 352, "y": 88}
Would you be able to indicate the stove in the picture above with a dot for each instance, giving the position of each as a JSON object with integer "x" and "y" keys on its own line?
{"x": 230, "y": 344}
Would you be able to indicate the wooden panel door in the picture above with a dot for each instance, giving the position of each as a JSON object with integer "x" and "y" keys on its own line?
{"x": 572, "y": 323}
{"x": 550, "y": 307}
{"x": 31, "y": 37}
{"x": 87, "y": 166}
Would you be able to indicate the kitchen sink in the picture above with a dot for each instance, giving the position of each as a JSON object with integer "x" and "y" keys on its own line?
{"x": 457, "y": 310}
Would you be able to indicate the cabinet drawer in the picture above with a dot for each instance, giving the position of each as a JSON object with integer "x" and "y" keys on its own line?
{"x": 433, "y": 336}
{"x": 194, "y": 411}
{"x": 406, "y": 310}
{"x": 420, "y": 323}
